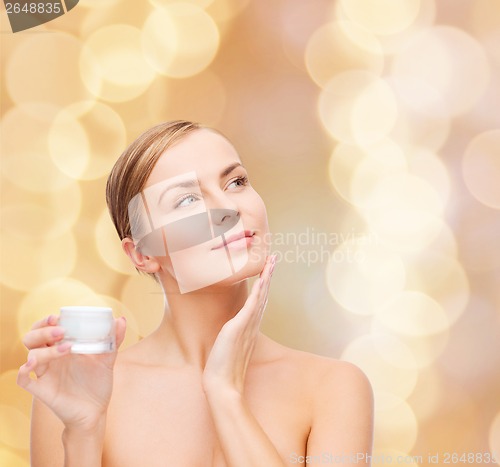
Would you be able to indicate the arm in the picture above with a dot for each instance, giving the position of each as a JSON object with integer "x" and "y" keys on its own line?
{"x": 343, "y": 415}
{"x": 53, "y": 445}
{"x": 84, "y": 448}
{"x": 243, "y": 441}
{"x": 69, "y": 408}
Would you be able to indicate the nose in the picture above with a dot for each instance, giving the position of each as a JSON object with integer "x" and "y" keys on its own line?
{"x": 223, "y": 220}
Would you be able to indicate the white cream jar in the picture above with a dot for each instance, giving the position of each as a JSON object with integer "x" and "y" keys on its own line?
{"x": 90, "y": 329}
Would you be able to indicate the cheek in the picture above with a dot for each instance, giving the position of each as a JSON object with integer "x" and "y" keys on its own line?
{"x": 256, "y": 208}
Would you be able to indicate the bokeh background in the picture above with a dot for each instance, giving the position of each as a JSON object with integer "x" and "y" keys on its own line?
{"x": 370, "y": 128}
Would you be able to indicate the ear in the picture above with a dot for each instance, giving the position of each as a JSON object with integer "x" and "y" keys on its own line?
{"x": 148, "y": 264}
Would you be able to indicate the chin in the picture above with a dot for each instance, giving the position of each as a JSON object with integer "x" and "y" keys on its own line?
{"x": 252, "y": 268}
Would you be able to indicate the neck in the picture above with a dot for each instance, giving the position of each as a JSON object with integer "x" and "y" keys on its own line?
{"x": 192, "y": 321}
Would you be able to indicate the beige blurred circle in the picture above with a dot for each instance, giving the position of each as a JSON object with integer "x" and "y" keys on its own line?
{"x": 396, "y": 41}
{"x": 363, "y": 274}
{"x": 396, "y": 427}
{"x": 451, "y": 61}
{"x": 131, "y": 14}
{"x": 200, "y": 98}
{"x": 445, "y": 242}
{"x": 386, "y": 361}
{"x": 113, "y": 56}
{"x": 298, "y": 22}
{"x": 98, "y": 3}
{"x": 14, "y": 427}
{"x": 223, "y": 11}
{"x": 357, "y": 107}
{"x": 55, "y": 58}
{"x": 404, "y": 212}
{"x": 44, "y": 259}
{"x": 25, "y": 159}
{"x": 478, "y": 253}
{"x": 85, "y": 142}
{"x": 49, "y": 297}
{"x": 413, "y": 313}
{"x": 426, "y": 165}
{"x": 30, "y": 221}
{"x": 424, "y": 348}
{"x": 383, "y": 158}
{"x": 481, "y": 168}
{"x": 12, "y": 394}
{"x": 180, "y": 39}
{"x": 31, "y": 215}
{"x": 374, "y": 113}
{"x": 485, "y": 18}
{"x": 340, "y": 46}
{"x": 428, "y": 394}
{"x": 11, "y": 458}
{"x": 382, "y": 16}
{"x": 109, "y": 246}
{"x": 341, "y": 166}
{"x": 494, "y": 437}
{"x": 442, "y": 278}
{"x": 423, "y": 119}
{"x": 68, "y": 145}
{"x": 405, "y": 231}
{"x": 145, "y": 300}
{"x": 164, "y": 3}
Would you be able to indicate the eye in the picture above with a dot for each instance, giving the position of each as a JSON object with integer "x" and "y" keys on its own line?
{"x": 186, "y": 200}
{"x": 238, "y": 182}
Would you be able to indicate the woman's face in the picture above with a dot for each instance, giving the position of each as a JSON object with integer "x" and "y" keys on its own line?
{"x": 199, "y": 216}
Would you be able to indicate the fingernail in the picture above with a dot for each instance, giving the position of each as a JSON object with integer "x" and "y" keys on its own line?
{"x": 64, "y": 347}
{"x": 123, "y": 319}
{"x": 57, "y": 332}
{"x": 50, "y": 319}
{"x": 272, "y": 268}
{"x": 29, "y": 363}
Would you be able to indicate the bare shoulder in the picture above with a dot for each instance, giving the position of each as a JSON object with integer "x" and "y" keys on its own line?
{"x": 327, "y": 376}
{"x": 339, "y": 400}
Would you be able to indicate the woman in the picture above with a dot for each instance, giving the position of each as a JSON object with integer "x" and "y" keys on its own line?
{"x": 206, "y": 388}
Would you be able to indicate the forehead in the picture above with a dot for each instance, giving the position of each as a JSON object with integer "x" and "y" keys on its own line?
{"x": 203, "y": 151}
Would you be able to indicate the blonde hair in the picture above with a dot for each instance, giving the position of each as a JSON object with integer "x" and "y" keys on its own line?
{"x": 132, "y": 169}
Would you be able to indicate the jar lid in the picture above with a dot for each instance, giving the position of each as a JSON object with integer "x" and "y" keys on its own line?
{"x": 86, "y": 309}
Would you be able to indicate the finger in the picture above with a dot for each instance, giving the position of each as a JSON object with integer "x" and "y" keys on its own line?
{"x": 253, "y": 306}
{"x": 257, "y": 296}
{"x": 42, "y": 356}
{"x": 44, "y": 336}
{"x": 23, "y": 376}
{"x": 266, "y": 278}
{"x": 50, "y": 320}
{"x": 120, "y": 330}
{"x": 265, "y": 288}
{"x": 244, "y": 315}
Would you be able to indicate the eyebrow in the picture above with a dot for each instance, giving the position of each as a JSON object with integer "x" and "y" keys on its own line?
{"x": 230, "y": 168}
{"x": 194, "y": 183}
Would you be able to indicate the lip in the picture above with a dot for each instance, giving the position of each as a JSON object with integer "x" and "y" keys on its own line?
{"x": 234, "y": 238}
